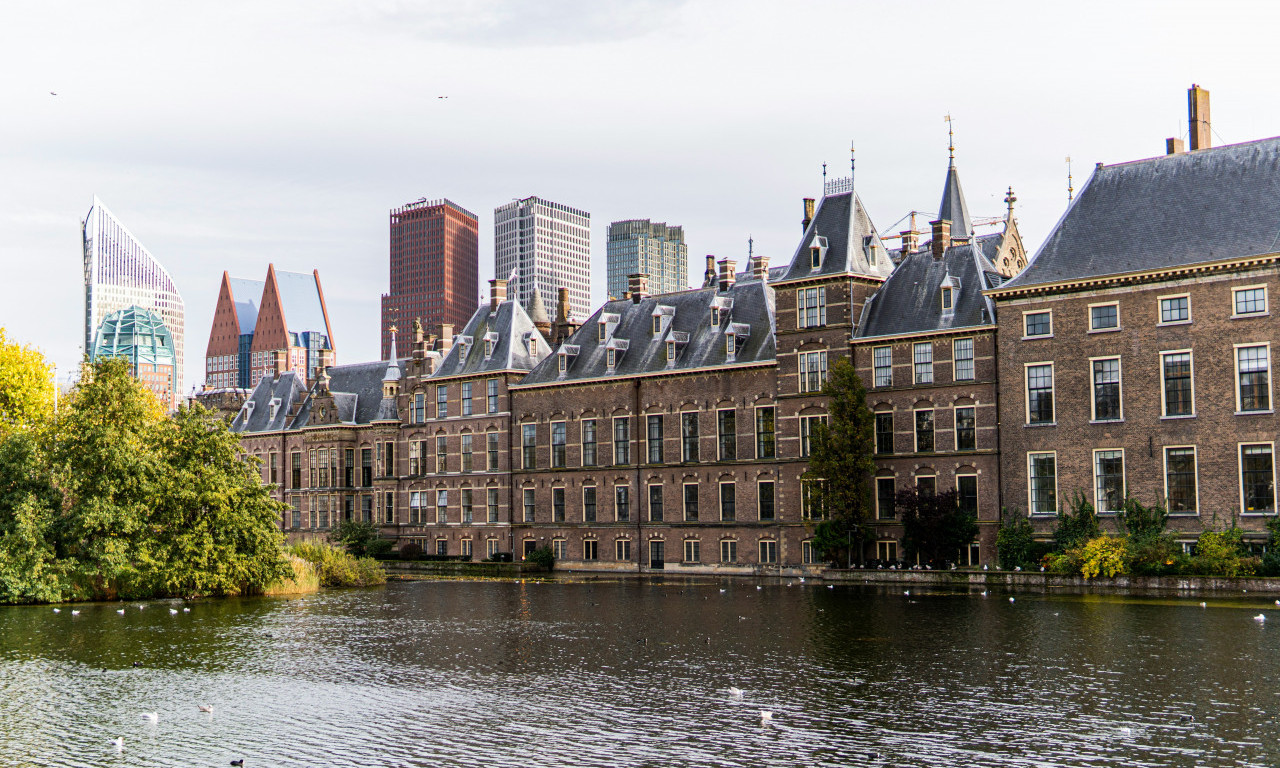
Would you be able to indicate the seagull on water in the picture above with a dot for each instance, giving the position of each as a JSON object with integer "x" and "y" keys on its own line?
{"x": 1011, "y": 599}
{"x": 186, "y": 610}
{"x": 239, "y": 762}
{"x": 173, "y": 611}
{"x": 1203, "y": 605}
{"x": 723, "y": 591}
{"x": 120, "y": 611}
{"x": 735, "y": 693}
{"x": 57, "y": 610}
{"x": 759, "y": 587}
{"x": 118, "y": 743}
{"x": 75, "y": 613}
{"x": 1260, "y": 617}
{"x": 765, "y": 716}
{"x": 205, "y": 708}
{"x": 153, "y": 717}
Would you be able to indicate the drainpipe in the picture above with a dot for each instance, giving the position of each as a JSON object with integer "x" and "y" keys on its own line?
{"x": 641, "y": 544}
{"x": 511, "y": 476}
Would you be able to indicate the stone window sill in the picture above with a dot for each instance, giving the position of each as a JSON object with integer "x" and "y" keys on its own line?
{"x": 1267, "y": 412}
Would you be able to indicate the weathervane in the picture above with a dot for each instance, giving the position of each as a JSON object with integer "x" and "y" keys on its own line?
{"x": 1070, "y": 189}
{"x": 853, "y": 164}
{"x": 951, "y": 139}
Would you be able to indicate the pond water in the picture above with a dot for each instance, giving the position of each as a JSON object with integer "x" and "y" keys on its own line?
{"x": 632, "y": 673}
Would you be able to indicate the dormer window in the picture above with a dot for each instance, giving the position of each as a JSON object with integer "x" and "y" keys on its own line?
{"x": 614, "y": 352}
{"x": 657, "y": 324}
{"x": 533, "y": 346}
{"x": 817, "y": 252}
{"x": 730, "y": 345}
{"x": 671, "y": 353}
{"x": 608, "y": 321}
{"x": 566, "y": 351}
{"x": 490, "y": 343}
{"x": 948, "y": 294}
{"x": 715, "y": 317}
{"x": 275, "y": 407}
{"x": 564, "y": 362}
{"x": 604, "y": 330}
{"x": 610, "y": 358}
{"x": 946, "y": 299}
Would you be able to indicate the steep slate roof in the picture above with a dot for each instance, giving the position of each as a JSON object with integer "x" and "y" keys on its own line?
{"x": 513, "y": 328}
{"x": 301, "y": 303}
{"x": 690, "y": 319}
{"x": 853, "y": 245}
{"x": 1167, "y": 211}
{"x": 246, "y": 294}
{"x": 356, "y": 389}
{"x": 953, "y": 208}
{"x": 258, "y": 418}
{"x": 910, "y": 301}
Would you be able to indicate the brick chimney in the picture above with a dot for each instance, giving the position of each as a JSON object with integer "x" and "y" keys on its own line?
{"x": 728, "y": 273}
{"x": 638, "y": 286}
{"x": 760, "y": 267}
{"x": 941, "y": 237}
{"x": 1174, "y": 146}
{"x": 1198, "y": 117}
{"x": 808, "y": 214}
{"x": 909, "y": 241}
{"x": 709, "y": 276}
{"x": 564, "y": 327}
{"x": 446, "y": 337}
{"x": 497, "y": 293}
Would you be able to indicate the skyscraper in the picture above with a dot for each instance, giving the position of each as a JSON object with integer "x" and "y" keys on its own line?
{"x": 120, "y": 273}
{"x": 639, "y": 246}
{"x": 548, "y": 246}
{"x": 140, "y": 337}
{"x": 435, "y": 267}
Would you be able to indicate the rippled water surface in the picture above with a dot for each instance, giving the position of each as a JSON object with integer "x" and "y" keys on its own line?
{"x": 619, "y": 673}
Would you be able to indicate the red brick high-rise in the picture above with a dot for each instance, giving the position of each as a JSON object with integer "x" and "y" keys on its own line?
{"x": 435, "y": 267}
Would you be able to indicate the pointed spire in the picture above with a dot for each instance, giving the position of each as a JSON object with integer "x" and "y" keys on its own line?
{"x": 393, "y": 366}
{"x": 951, "y": 140}
{"x": 953, "y": 208}
{"x": 1009, "y": 200}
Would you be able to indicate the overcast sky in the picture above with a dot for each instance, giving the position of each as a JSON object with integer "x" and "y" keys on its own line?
{"x": 230, "y": 135}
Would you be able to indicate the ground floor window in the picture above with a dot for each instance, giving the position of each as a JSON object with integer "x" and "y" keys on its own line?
{"x": 622, "y": 550}
{"x": 768, "y": 551}
{"x": 969, "y": 555}
{"x": 657, "y": 554}
{"x": 728, "y": 551}
{"x": 806, "y": 553}
{"x": 491, "y": 548}
{"x": 529, "y": 546}
{"x": 1257, "y": 478}
{"x": 442, "y": 546}
{"x": 590, "y": 549}
{"x": 465, "y": 551}
{"x": 558, "y": 548}
{"x": 887, "y": 551}
{"x": 691, "y": 553}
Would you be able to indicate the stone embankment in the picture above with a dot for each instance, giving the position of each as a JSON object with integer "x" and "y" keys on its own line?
{"x": 1021, "y": 581}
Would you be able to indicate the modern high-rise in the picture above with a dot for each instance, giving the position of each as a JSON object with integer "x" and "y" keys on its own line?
{"x": 435, "y": 267}
{"x": 120, "y": 273}
{"x": 656, "y": 249}
{"x": 546, "y": 246}
{"x": 140, "y": 337}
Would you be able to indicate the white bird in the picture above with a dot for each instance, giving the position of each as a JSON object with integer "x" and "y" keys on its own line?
{"x": 723, "y": 591}
{"x": 186, "y": 610}
{"x": 759, "y": 587}
{"x": 801, "y": 579}
{"x": 1260, "y": 617}
{"x": 1011, "y": 599}
{"x": 984, "y": 593}
{"x": 765, "y": 716}
{"x": 119, "y": 743}
{"x": 173, "y": 611}
{"x": 120, "y": 611}
{"x": 985, "y": 566}
{"x": 1017, "y": 568}
{"x": 1127, "y": 731}
{"x": 142, "y": 606}
{"x": 735, "y": 693}
{"x": 1203, "y": 605}
{"x": 153, "y": 717}
{"x": 907, "y": 592}
{"x": 75, "y": 613}
{"x": 205, "y": 708}
{"x": 831, "y": 586}
{"x": 57, "y": 610}
{"x": 1278, "y": 602}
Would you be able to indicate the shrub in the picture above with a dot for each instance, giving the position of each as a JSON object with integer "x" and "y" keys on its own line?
{"x": 1076, "y": 525}
{"x": 1158, "y": 555}
{"x": 542, "y": 557}
{"x": 338, "y": 568}
{"x": 1222, "y": 553}
{"x": 410, "y": 551}
{"x": 1270, "y": 563}
{"x": 1016, "y": 545}
{"x": 1142, "y": 522}
{"x": 1103, "y": 556}
{"x": 303, "y": 578}
{"x": 1064, "y": 563}
{"x": 934, "y": 527}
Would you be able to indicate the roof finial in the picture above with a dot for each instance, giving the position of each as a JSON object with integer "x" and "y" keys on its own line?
{"x": 1070, "y": 189}
{"x": 853, "y": 164}
{"x": 751, "y": 248}
{"x": 1009, "y": 200}
{"x": 824, "y": 177}
{"x": 951, "y": 141}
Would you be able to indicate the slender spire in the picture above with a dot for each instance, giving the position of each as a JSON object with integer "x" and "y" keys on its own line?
{"x": 1009, "y": 200}
{"x": 951, "y": 140}
{"x": 824, "y": 176}
{"x": 1070, "y": 189}
{"x": 393, "y": 367}
{"x": 853, "y": 165}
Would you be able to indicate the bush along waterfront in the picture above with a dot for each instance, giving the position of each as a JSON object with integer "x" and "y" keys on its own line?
{"x": 1140, "y": 546}
{"x": 110, "y": 498}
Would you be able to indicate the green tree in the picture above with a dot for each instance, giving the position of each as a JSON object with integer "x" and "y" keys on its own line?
{"x": 839, "y": 477}
{"x": 360, "y": 538}
{"x": 1271, "y": 560}
{"x": 29, "y": 569}
{"x": 1076, "y": 525}
{"x": 26, "y": 387}
{"x": 934, "y": 527}
{"x": 1016, "y": 544}
{"x": 1140, "y": 521}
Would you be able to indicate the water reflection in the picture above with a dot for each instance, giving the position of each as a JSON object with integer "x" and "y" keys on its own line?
{"x": 602, "y": 672}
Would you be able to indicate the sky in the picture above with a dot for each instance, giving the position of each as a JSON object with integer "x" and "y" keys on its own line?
{"x": 231, "y": 135}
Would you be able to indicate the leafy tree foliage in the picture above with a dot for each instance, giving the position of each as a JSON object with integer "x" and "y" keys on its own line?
{"x": 1077, "y": 524}
{"x": 26, "y": 387}
{"x": 360, "y": 538}
{"x": 1016, "y": 544}
{"x": 934, "y": 527}
{"x": 29, "y": 570}
{"x": 840, "y": 471}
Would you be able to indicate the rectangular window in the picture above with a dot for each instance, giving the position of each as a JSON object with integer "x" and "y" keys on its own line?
{"x": 884, "y": 432}
{"x": 348, "y": 469}
{"x": 885, "y": 492}
{"x": 590, "y": 549}
{"x": 442, "y": 507}
{"x": 887, "y": 551}
{"x": 655, "y": 503}
{"x": 768, "y": 552}
{"x": 966, "y": 428}
{"x": 1037, "y": 324}
{"x": 465, "y": 549}
{"x": 442, "y": 454}
{"x": 491, "y": 548}
{"x": 1178, "y": 393}
{"x": 391, "y": 460}
{"x": 1253, "y": 372}
{"x": 621, "y": 440}
{"x": 559, "y": 440}
{"x": 1175, "y": 309}
{"x": 765, "y": 443}
{"x": 493, "y": 396}
{"x": 882, "y": 363}
{"x": 1250, "y": 301}
{"x": 295, "y": 470}
{"x": 1042, "y": 471}
{"x": 1180, "y": 480}
{"x": 557, "y": 549}
{"x": 1040, "y": 393}
{"x": 415, "y": 457}
{"x": 922, "y": 362}
{"x": 811, "y": 307}
{"x": 810, "y": 503}
{"x": 813, "y": 371}
{"x": 806, "y": 553}
{"x": 1106, "y": 390}
{"x": 588, "y": 442}
{"x": 366, "y": 508}
{"x": 622, "y": 550}
{"x": 728, "y": 502}
{"x": 653, "y": 437}
{"x": 727, "y": 430}
{"x": 529, "y": 446}
{"x": 728, "y": 551}
{"x": 807, "y": 424}
{"x": 557, "y": 505}
{"x": 297, "y": 513}
{"x": 366, "y": 467}
{"x": 962, "y": 355}
{"x": 967, "y": 494}
{"x": 924, "y": 431}
{"x": 927, "y": 485}
{"x": 528, "y": 505}
{"x": 491, "y": 505}
{"x": 690, "y": 502}
{"x": 466, "y": 398}
{"x": 442, "y": 401}
{"x": 588, "y": 504}
{"x": 467, "y": 508}
{"x": 689, "y": 436}
{"x": 1257, "y": 478}
{"x": 491, "y": 446}
{"x": 467, "y": 464}
{"x": 764, "y": 498}
{"x": 622, "y": 503}
{"x": 313, "y": 468}
{"x": 1108, "y": 475}
{"x": 691, "y": 553}
{"x": 1104, "y": 317}
{"x": 419, "y": 408}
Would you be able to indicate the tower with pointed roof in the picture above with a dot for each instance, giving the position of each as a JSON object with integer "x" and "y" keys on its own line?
{"x": 292, "y": 331}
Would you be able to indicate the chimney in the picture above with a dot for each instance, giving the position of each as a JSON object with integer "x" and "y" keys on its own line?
{"x": 808, "y": 214}
{"x": 497, "y": 293}
{"x": 909, "y": 241}
{"x": 760, "y": 268}
{"x": 1174, "y": 146}
{"x": 446, "y": 337}
{"x": 1198, "y": 117}
{"x": 562, "y": 305}
{"x": 727, "y": 274}
{"x": 709, "y": 276}
{"x": 941, "y": 236}
{"x": 638, "y": 286}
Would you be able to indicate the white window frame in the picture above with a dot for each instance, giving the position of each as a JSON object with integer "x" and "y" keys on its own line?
{"x": 875, "y": 368}
{"x": 947, "y": 298}
{"x": 1195, "y": 462}
{"x": 1093, "y": 400}
{"x": 1091, "y": 307}
{"x": 1124, "y": 479}
{"x": 1026, "y": 393}
{"x": 1240, "y": 476}
{"x": 973, "y": 359}
{"x": 1266, "y": 301}
{"x": 1031, "y": 510}
{"x": 915, "y": 429}
{"x": 955, "y": 426}
{"x": 1235, "y": 362}
{"x": 1048, "y": 335}
{"x": 1164, "y": 404}
{"x": 805, "y": 361}
{"x": 759, "y": 512}
{"x": 1160, "y": 300}
{"x": 915, "y": 375}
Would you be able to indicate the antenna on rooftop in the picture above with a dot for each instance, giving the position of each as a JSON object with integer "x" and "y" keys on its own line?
{"x": 1070, "y": 189}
